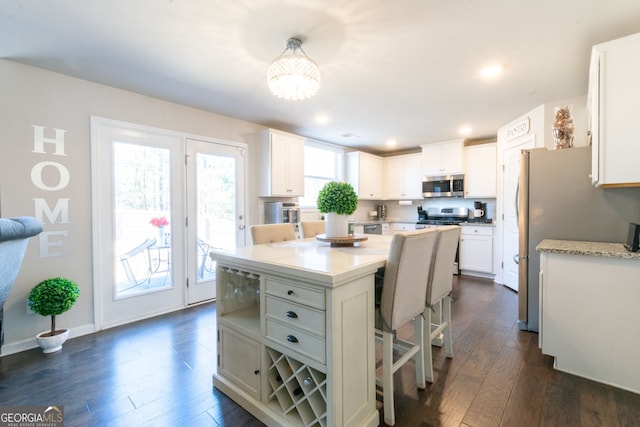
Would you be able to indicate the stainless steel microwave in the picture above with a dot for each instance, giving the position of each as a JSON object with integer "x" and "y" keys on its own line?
{"x": 443, "y": 186}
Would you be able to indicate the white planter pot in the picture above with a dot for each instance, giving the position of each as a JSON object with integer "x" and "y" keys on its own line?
{"x": 336, "y": 225}
{"x": 51, "y": 344}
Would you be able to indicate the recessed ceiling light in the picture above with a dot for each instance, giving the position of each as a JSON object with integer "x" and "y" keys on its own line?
{"x": 491, "y": 71}
{"x": 465, "y": 130}
{"x": 391, "y": 142}
{"x": 322, "y": 119}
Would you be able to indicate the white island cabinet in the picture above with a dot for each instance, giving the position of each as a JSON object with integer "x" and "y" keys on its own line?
{"x": 589, "y": 294}
{"x": 296, "y": 331}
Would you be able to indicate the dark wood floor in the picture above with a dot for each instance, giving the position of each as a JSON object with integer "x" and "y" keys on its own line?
{"x": 158, "y": 373}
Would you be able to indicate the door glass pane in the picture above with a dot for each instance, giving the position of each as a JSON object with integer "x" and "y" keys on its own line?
{"x": 216, "y": 205}
{"x": 142, "y": 208}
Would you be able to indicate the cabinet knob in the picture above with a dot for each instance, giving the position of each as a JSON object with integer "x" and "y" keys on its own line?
{"x": 256, "y": 372}
{"x": 292, "y": 338}
{"x": 290, "y": 292}
{"x": 292, "y": 314}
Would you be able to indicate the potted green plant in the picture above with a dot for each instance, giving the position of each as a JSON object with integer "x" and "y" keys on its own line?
{"x": 337, "y": 200}
{"x": 52, "y": 297}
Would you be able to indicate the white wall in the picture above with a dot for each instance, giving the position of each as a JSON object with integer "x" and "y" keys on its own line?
{"x": 34, "y": 97}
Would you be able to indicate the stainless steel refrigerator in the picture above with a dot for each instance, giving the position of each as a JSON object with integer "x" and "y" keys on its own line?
{"x": 557, "y": 201}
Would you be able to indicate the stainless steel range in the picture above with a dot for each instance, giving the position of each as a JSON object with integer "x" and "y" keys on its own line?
{"x": 435, "y": 217}
{"x": 441, "y": 216}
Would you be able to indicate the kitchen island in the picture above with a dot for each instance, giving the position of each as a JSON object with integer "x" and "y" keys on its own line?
{"x": 589, "y": 295}
{"x": 296, "y": 331}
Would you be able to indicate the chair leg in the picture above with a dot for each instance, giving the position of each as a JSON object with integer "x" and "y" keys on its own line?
{"x": 428, "y": 356}
{"x": 418, "y": 333}
{"x": 446, "y": 313}
{"x": 387, "y": 378}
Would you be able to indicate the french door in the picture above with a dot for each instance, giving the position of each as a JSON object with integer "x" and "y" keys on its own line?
{"x": 215, "y": 210}
{"x": 161, "y": 202}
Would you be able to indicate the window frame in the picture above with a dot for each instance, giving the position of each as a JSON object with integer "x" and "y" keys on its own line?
{"x": 338, "y": 169}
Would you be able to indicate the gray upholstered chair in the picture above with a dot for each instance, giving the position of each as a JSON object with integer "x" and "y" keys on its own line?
{"x": 14, "y": 235}
{"x": 439, "y": 292}
{"x": 312, "y": 228}
{"x": 406, "y": 279}
{"x": 271, "y": 233}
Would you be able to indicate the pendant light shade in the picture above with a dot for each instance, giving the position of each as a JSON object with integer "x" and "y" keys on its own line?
{"x": 293, "y": 75}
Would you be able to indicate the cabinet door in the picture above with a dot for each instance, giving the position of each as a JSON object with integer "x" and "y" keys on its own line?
{"x": 239, "y": 360}
{"x": 282, "y": 163}
{"x": 413, "y": 176}
{"x": 480, "y": 171}
{"x": 432, "y": 159}
{"x": 394, "y": 174}
{"x": 476, "y": 250}
{"x": 442, "y": 158}
{"x": 365, "y": 173}
{"x": 618, "y": 113}
{"x": 452, "y": 157}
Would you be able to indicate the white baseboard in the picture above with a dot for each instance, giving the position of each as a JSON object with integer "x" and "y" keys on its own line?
{"x": 28, "y": 344}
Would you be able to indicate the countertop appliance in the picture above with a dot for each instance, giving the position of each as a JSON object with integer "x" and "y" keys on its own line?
{"x": 279, "y": 212}
{"x": 557, "y": 201}
{"x": 443, "y": 186}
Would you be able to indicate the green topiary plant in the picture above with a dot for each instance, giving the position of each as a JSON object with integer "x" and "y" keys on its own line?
{"x": 52, "y": 297}
{"x": 338, "y": 197}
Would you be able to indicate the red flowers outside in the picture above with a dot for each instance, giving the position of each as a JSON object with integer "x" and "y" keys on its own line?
{"x": 159, "y": 222}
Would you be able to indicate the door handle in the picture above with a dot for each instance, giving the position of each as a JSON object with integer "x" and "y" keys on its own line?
{"x": 241, "y": 227}
{"x": 516, "y": 259}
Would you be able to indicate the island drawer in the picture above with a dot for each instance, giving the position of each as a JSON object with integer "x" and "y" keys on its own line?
{"x": 293, "y": 292}
{"x": 300, "y": 316}
{"x": 305, "y": 343}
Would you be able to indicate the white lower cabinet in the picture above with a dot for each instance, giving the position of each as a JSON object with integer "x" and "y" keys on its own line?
{"x": 240, "y": 359}
{"x": 476, "y": 249}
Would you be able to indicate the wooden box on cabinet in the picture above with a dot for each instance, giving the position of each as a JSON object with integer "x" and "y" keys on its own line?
{"x": 281, "y": 162}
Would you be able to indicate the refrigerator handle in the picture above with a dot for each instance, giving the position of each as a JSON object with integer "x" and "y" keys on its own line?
{"x": 517, "y": 204}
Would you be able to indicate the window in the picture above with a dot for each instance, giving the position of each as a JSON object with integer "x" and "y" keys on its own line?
{"x": 322, "y": 163}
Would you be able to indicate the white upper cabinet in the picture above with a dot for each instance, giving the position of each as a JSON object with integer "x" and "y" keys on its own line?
{"x": 442, "y": 158}
{"x": 403, "y": 177}
{"x": 614, "y": 90}
{"x": 364, "y": 172}
{"x": 281, "y": 160}
{"x": 480, "y": 171}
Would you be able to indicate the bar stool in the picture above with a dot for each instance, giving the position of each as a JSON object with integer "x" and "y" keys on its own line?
{"x": 271, "y": 233}
{"x": 406, "y": 276}
{"x": 439, "y": 292}
{"x": 312, "y": 228}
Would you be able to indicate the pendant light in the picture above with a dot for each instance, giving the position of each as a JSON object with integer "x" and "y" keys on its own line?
{"x": 293, "y": 75}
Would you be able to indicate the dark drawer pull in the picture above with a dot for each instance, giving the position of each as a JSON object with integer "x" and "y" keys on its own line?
{"x": 292, "y": 314}
{"x": 292, "y": 338}
{"x": 256, "y": 371}
{"x": 290, "y": 292}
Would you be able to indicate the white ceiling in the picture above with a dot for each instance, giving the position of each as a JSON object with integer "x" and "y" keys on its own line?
{"x": 406, "y": 69}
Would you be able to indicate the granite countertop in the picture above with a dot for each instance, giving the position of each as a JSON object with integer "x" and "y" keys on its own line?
{"x": 599, "y": 249}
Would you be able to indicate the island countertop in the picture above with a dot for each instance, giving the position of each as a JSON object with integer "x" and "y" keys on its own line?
{"x": 598, "y": 249}
{"x": 311, "y": 259}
